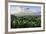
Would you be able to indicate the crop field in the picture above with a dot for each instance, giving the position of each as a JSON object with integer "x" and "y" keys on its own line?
{"x": 26, "y": 21}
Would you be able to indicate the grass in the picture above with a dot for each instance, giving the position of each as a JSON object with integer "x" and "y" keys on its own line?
{"x": 25, "y": 21}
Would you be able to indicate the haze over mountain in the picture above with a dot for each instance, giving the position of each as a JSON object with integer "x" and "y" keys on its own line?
{"x": 23, "y": 10}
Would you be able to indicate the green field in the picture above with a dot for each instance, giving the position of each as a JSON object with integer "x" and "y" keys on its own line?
{"x": 26, "y": 21}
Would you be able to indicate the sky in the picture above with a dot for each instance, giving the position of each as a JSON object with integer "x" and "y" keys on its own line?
{"x": 19, "y": 8}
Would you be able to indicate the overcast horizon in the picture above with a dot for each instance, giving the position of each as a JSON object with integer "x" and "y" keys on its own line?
{"x": 15, "y": 9}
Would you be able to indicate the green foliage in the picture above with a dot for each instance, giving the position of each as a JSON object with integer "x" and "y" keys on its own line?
{"x": 25, "y": 21}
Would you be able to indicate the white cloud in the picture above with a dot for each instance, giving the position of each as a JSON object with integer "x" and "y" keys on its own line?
{"x": 23, "y": 11}
{"x": 15, "y": 10}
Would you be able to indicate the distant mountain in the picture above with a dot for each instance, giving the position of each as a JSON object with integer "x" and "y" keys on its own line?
{"x": 27, "y": 13}
{"x": 22, "y": 11}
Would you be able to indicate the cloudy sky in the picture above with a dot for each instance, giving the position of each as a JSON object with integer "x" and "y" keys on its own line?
{"x": 28, "y": 9}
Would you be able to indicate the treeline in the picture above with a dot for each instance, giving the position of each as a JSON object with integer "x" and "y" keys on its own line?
{"x": 25, "y": 21}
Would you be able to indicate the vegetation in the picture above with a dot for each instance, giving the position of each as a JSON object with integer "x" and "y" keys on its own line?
{"x": 25, "y": 21}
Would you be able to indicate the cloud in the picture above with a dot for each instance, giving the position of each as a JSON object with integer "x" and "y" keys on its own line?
{"x": 20, "y": 10}
{"x": 15, "y": 10}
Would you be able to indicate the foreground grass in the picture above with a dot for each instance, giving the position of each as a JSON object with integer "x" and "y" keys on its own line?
{"x": 25, "y": 21}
